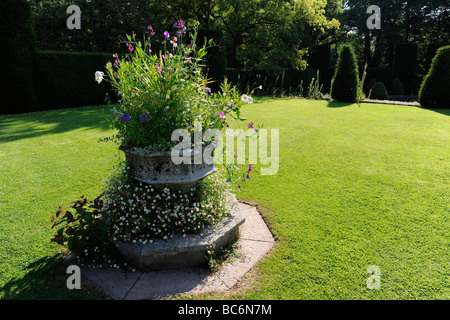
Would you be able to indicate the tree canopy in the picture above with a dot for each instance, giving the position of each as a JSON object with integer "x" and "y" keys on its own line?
{"x": 265, "y": 35}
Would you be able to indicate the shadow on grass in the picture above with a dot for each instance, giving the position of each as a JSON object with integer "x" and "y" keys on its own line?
{"x": 45, "y": 279}
{"x": 29, "y": 125}
{"x": 266, "y": 99}
{"x": 441, "y": 111}
{"x": 335, "y": 104}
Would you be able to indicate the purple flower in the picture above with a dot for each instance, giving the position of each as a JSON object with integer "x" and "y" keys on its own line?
{"x": 208, "y": 90}
{"x": 166, "y": 33}
{"x": 143, "y": 117}
{"x": 113, "y": 111}
{"x": 126, "y": 117}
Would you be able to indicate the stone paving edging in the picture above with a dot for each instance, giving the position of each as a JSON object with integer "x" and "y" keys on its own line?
{"x": 255, "y": 240}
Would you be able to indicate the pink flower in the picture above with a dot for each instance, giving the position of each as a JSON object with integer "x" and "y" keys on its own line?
{"x": 222, "y": 115}
{"x": 158, "y": 67}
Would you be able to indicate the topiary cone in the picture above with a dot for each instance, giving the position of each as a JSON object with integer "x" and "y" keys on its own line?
{"x": 435, "y": 89}
{"x": 345, "y": 84}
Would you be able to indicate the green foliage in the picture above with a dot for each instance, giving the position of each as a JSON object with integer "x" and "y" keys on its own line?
{"x": 103, "y": 24}
{"x": 268, "y": 34}
{"x": 315, "y": 89}
{"x": 16, "y": 50}
{"x": 216, "y": 257}
{"x": 360, "y": 95}
{"x": 66, "y": 79}
{"x": 82, "y": 227}
{"x": 345, "y": 84}
{"x": 379, "y": 91}
{"x": 167, "y": 91}
{"x": 435, "y": 89}
{"x": 396, "y": 87}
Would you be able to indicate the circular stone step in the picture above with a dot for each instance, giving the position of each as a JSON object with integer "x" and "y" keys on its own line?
{"x": 183, "y": 251}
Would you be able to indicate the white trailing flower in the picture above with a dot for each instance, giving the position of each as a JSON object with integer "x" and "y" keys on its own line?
{"x": 249, "y": 100}
{"x": 99, "y": 76}
{"x": 244, "y": 97}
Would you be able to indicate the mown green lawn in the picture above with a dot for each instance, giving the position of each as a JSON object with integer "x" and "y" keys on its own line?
{"x": 358, "y": 185}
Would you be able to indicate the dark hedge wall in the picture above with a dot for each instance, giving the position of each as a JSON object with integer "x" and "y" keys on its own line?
{"x": 16, "y": 51}
{"x": 66, "y": 79}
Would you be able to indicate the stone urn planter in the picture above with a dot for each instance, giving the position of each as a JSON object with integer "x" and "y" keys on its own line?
{"x": 157, "y": 167}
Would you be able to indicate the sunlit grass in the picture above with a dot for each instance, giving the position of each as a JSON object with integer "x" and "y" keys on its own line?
{"x": 356, "y": 186}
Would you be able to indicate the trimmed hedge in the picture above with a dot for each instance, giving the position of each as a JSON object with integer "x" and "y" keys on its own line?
{"x": 396, "y": 87}
{"x": 435, "y": 89}
{"x": 385, "y": 75}
{"x": 379, "y": 91}
{"x": 16, "y": 65}
{"x": 345, "y": 84}
{"x": 66, "y": 79}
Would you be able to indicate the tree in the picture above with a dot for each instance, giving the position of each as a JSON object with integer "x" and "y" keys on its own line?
{"x": 345, "y": 84}
{"x": 258, "y": 34}
{"x": 435, "y": 89}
